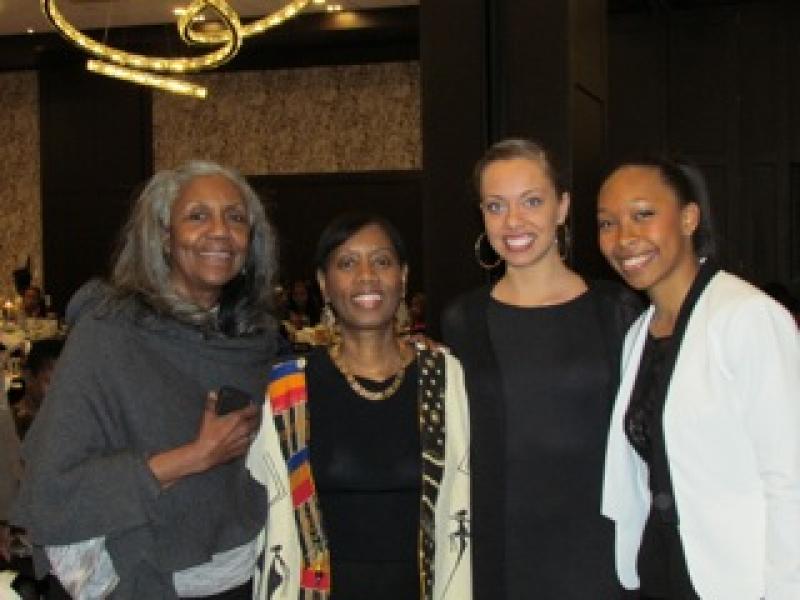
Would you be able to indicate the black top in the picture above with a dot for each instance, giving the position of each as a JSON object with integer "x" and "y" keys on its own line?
{"x": 661, "y": 563}
{"x": 365, "y": 456}
{"x": 643, "y": 422}
{"x": 465, "y": 326}
{"x": 555, "y": 377}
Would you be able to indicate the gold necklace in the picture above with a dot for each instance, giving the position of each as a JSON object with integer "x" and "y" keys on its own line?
{"x": 357, "y": 387}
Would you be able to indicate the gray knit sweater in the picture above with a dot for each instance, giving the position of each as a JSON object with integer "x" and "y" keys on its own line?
{"x": 130, "y": 384}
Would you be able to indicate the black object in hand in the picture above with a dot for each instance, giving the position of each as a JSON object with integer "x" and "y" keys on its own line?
{"x": 230, "y": 398}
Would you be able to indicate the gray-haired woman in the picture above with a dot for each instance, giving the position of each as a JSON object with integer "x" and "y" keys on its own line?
{"x": 135, "y": 484}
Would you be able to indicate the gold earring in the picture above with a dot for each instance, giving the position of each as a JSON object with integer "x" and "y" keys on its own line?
{"x": 327, "y": 319}
{"x": 479, "y": 251}
{"x": 327, "y": 316}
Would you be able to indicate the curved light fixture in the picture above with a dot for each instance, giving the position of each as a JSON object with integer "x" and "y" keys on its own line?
{"x": 140, "y": 68}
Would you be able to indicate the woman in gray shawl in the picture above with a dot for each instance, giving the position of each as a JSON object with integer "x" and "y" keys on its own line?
{"x": 135, "y": 485}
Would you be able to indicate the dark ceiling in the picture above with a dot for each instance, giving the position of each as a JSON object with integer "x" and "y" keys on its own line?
{"x": 661, "y": 6}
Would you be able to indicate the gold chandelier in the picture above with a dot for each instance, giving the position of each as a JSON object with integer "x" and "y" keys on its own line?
{"x": 226, "y": 40}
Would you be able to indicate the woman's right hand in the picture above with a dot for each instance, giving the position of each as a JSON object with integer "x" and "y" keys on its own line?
{"x": 221, "y": 438}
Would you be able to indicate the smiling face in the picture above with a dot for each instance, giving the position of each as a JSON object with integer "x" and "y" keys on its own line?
{"x": 643, "y": 230}
{"x": 521, "y": 211}
{"x": 207, "y": 238}
{"x": 364, "y": 280}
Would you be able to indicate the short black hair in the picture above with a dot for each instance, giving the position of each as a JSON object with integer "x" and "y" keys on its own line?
{"x": 343, "y": 227}
{"x": 43, "y": 352}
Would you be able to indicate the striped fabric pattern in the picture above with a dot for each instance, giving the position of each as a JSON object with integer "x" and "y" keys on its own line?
{"x": 288, "y": 398}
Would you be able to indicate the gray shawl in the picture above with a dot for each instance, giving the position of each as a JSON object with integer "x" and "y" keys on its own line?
{"x": 130, "y": 384}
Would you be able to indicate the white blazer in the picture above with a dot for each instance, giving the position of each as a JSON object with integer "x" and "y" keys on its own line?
{"x": 732, "y": 433}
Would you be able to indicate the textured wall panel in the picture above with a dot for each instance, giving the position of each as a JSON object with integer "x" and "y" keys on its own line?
{"x": 320, "y": 119}
{"x": 20, "y": 204}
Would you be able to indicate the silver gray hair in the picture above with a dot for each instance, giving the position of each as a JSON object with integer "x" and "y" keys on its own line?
{"x": 141, "y": 267}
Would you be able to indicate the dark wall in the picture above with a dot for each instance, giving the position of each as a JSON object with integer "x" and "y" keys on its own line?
{"x": 300, "y": 206}
{"x": 718, "y": 83}
{"x": 95, "y": 149}
{"x": 507, "y": 69}
{"x": 456, "y": 108}
{"x": 721, "y": 86}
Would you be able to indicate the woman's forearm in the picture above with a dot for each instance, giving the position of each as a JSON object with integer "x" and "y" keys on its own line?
{"x": 220, "y": 439}
{"x": 173, "y": 465}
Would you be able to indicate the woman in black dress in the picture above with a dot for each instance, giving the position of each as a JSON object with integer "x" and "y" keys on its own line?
{"x": 539, "y": 350}
{"x": 364, "y": 445}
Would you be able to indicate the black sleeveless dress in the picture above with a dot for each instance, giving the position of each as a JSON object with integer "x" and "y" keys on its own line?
{"x": 366, "y": 460}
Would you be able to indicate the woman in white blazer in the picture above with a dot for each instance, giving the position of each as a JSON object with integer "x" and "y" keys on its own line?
{"x": 702, "y": 475}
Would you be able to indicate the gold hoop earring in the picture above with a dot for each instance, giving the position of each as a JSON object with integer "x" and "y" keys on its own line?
{"x": 564, "y": 241}
{"x": 479, "y": 252}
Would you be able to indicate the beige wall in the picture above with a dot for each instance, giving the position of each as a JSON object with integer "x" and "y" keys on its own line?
{"x": 321, "y": 119}
{"x": 20, "y": 205}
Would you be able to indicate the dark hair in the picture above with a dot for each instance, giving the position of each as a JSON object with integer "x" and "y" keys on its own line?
{"x": 42, "y": 352}
{"x": 343, "y": 227}
{"x": 689, "y": 185}
{"x": 513, "y": 148}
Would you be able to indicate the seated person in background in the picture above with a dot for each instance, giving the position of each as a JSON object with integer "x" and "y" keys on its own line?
{"x": 36, "y": 372}
{"x": 22, "y": 277}
{"x": 416, "y": 313}
{"x": 281, "y": 302}
{"x": 304, "y": 307}
{"x": 32, "y": 302}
